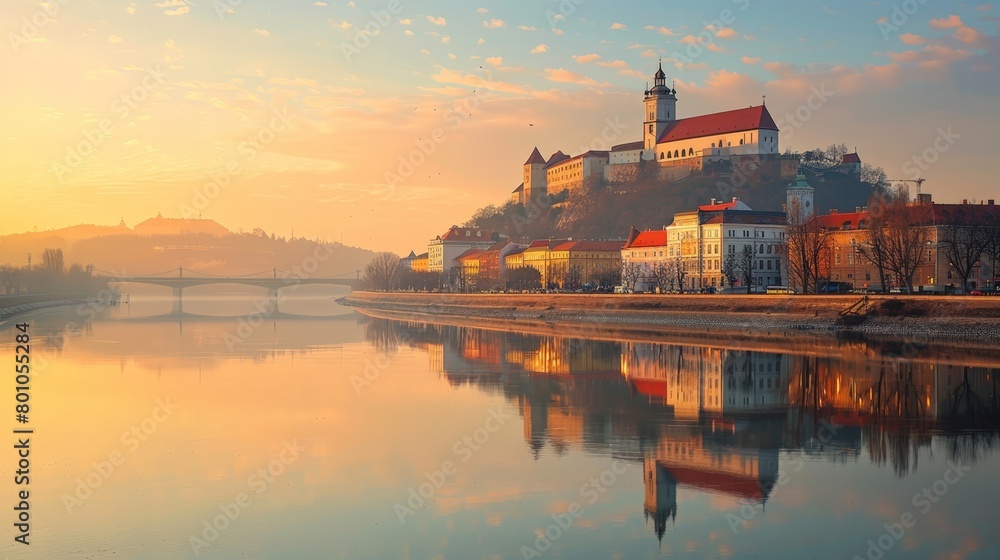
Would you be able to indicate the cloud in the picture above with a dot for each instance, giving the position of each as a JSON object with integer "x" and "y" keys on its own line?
{"x": 319, "y": 4}
{"x": 339, "y": 23}
{"x": 527, "y": 28}
{"x": 437, "y": 20}
{"x": 114, "y": 39}
{"x": 949, "y": 22}
{"x": 480, "y": 41}
{"x": 649, "y": 53}
{"x": 562, "y": 75}
{"x": 409, "y": 33}
{"x": 542, "y": 48}
{"x": 262, "y": 32}
{"x": 661, "y": 30}
{"x": 584, "y": 59}
{"x": 406, "y": 21}
{"x": 130, "y": 9}
{"x": 617, "y": 25}
{"x": 482, "y": 11}
{"x": 181, "y": 6}
{"x": 478, "y": 82}
{"x": 751, "y": 60}
{"x": 912, "y": 39}
{"x": 494, "y": 24}
{"x": 495, "y": 60}
{"x": 723, "y": 33}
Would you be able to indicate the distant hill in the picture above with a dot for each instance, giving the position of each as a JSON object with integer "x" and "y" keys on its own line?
{"x": 608, "y": 212}
{"x": 123, "y": 250}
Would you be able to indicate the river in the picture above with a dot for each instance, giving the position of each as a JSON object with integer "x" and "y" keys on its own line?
{"x": 320, "y": 432}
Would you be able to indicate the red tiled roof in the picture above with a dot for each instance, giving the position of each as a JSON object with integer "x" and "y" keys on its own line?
{"x": 837, "y": 221}
{"x": 654, "y": 238}
{"x": 850, "y": 158}
{"x": 725, "y": 483}
{"x": 535, "y": 157}
{"x": 717, "y": 207}
{"x": 564, "y": 246}
{"x": 740, "y": 120}
{"x": 599, "y": 245}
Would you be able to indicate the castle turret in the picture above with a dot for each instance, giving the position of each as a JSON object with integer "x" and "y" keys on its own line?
{"x": 799, "y": 205}
{"x": 661, "y": 110}
{"x": 534, "y": 177}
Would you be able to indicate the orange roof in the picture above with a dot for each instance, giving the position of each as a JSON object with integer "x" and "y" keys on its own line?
{"x": 850, "y": 158}
{"x": 740, "y": 120}
{"x": 470, "y": 255}
{"x": 654, "y": 238}
{"x": 717, "y": 207}
{"x": 838, "y": 220}
{"x": 724, "y": 483}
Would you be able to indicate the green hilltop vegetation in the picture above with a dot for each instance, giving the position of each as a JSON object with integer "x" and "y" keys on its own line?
{"x": 599, "y": 211}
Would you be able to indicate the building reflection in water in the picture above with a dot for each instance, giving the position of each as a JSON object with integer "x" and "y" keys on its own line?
{"x": 713, "y": 419}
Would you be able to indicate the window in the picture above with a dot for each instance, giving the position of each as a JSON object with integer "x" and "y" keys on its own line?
{"x": 650, "y": 129}
{"x": 675, "y": 154}
{"x": 661, "y": 155}
{"x": 741, "y": 141}
{"x": 683, "y": 153}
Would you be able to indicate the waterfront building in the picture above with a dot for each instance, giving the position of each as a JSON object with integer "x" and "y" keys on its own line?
{"x": 444, "y": 249}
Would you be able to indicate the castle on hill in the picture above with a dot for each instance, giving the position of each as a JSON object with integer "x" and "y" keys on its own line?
{"x": 674, "y": 147}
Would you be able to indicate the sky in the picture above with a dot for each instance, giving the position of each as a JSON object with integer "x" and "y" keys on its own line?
{"x": 383, "y": 123}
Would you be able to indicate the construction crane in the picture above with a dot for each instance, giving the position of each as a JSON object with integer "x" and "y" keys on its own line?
{"x": 919, "y": 182}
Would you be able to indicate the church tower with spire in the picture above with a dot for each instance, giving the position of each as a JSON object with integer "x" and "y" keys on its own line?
{"x": 661, "y": 110}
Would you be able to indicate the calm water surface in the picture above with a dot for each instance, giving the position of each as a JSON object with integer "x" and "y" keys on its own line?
{"x": 335, "y": 435}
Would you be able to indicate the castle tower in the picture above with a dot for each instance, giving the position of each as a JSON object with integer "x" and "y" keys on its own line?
{"x": 799, "y": 206}
{"x": 661, "y": 110}
{"x": 534, "y": 177}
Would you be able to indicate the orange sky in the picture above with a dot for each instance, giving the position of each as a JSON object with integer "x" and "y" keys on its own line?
{"x": 121, "y": 110}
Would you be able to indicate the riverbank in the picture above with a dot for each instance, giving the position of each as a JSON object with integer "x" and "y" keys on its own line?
{"x": 965, "y": 321}
{"x": 16, "y": 305}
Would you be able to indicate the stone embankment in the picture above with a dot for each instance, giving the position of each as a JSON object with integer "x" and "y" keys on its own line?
{"x": 970, "y": 319}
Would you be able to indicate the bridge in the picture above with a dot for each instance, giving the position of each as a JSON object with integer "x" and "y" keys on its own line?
{"x": 273, "y": 280}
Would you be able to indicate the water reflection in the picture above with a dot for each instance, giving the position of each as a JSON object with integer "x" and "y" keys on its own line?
{"x": 714, "y": 419}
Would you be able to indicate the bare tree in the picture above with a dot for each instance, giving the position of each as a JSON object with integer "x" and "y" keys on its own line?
{"x": 731, "y": 269}
{"x": 744, "y": 263}
{"x": 680, "y": 272}
{"x": 52, "y": 261}
{"x": 992, "y": 250}
{"x": 874, "y": 176}
{"x": 965, "y": 243}
{"x": 382, "y": 273}
{"x": 806, "y": 250}
{"x": 630, "y": 274}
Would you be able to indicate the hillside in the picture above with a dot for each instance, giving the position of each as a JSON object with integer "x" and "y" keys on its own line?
{"x": 124, "y": 251}
{"x": 608, "y": 212}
